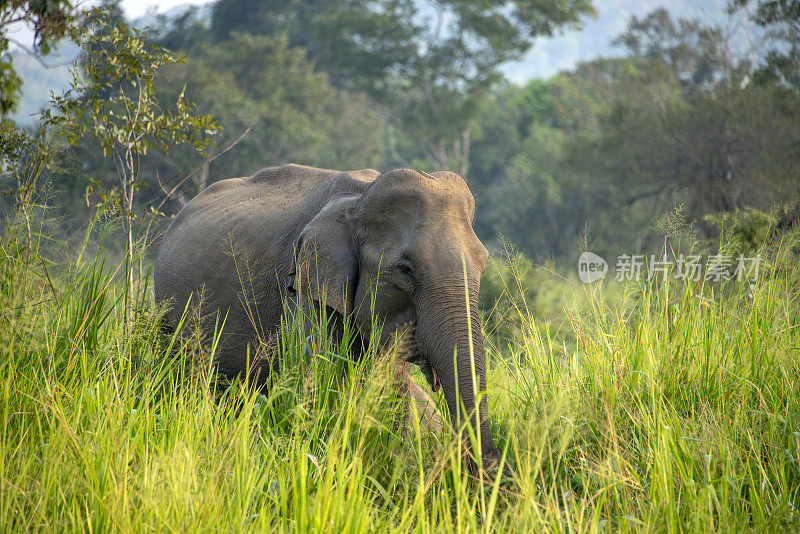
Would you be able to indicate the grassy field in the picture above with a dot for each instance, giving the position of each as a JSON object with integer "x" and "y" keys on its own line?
{"x": 661, "y": 407}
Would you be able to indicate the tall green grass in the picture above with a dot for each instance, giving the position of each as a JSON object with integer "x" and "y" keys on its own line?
{"x": 668, "y": 408}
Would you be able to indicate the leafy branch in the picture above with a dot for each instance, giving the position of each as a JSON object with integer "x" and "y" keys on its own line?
{"x": 112, "y": 100}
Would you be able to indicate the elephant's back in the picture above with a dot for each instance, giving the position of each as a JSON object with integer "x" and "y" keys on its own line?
{"x": 273, "y": 193}
{"x": 244, "y": 228}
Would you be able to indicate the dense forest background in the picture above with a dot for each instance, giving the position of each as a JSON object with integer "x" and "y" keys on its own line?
{"x": 693, "y": 122}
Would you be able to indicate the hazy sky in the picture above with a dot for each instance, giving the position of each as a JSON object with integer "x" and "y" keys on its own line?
{"x": 137, "y": 8}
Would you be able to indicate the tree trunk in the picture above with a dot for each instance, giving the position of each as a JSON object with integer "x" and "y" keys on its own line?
{"x": 463, "y": 166}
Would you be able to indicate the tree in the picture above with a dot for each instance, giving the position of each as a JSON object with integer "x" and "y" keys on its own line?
{"x": 698, "y": 55}
{"x": 50, "y": 20}
{"x": 293, "y": 17}
{"x": 619, "y": 142}
{"x": 691, "y": 132}
{"x": 429, "y": 65}
{"x": 260, "y": 85}
{"x": 112, "y": 99}
{"x": 525, "y": 186}
{"x": 24, "y": 157}
{"x": 187, "y": 31}
{"x": 781, "y": 19}
{"x": 433, "y": 68}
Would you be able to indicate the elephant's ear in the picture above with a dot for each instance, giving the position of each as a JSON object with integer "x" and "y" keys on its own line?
{"x": 326, "y": 262}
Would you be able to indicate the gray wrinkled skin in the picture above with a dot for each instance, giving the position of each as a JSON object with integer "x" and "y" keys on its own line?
{"x": 247, "y": 245}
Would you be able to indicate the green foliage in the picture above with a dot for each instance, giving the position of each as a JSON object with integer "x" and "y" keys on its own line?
{"x": 523, "y": 173}
{"x": 296, "y": 18}
{"x": 14, "y": 143}
{"x": 112, "y": 100}
{"x": 258, "y": 83}
{"x": 688, "y": 47}
{"x": 25, "y": 159}
{"x": 749, "y": 230}
{"x": 686, "y": 119}
{"x": 186, "y": 32}
{"x": 435, "y": 75}
{"x": 430, "y": 68}
{"x": 606, "y": 149}
{"x": 713, "y": 151}
{"x": 10, "y": 82}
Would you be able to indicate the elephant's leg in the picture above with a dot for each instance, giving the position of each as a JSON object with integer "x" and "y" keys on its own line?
{"x": 415, "y": 401}
{"x": 421, "y": 404}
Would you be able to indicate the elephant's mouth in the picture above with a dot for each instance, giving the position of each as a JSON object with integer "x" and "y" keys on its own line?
{"x": 408, "y": 349}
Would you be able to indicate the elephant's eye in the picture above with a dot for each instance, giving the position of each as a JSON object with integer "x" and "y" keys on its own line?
{"x": 404, "y": 275}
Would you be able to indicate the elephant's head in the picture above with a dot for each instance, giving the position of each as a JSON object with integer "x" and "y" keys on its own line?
{"x": 409, "y": 239}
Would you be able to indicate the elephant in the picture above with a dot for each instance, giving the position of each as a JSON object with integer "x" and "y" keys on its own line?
{"x": 397, "y": 246}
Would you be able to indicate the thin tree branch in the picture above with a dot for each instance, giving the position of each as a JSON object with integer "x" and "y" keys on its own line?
{"x": 169, "y": 193}
{"x": 32, "y": 53}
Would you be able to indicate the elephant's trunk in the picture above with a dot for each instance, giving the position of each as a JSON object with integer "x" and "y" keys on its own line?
{"x": 443, "y": 333}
